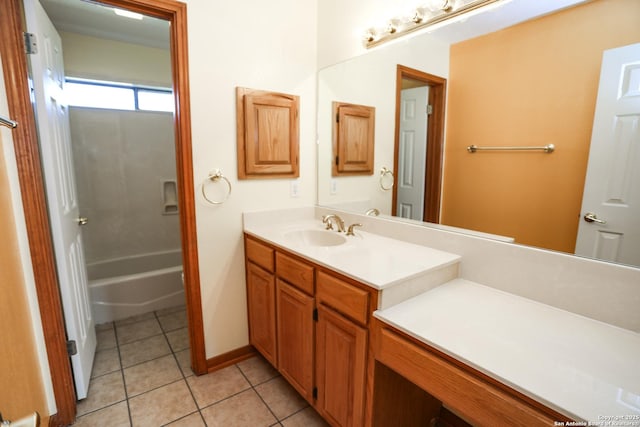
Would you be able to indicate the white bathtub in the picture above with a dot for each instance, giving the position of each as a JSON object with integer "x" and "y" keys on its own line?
{"x": 125, "y": 287}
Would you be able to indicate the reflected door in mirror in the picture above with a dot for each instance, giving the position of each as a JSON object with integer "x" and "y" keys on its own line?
{"x": 412, "y": 152}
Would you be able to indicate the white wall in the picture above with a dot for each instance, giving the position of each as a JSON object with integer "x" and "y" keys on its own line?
{"x": 256, "y": 44}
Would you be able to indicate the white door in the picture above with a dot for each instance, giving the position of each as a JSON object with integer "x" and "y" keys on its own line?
{"x": 55, "y": 145}
{"x": 412, "y": 152}
{"x": 612, "y": 190}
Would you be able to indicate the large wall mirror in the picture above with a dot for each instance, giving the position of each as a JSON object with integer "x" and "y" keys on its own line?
{"x": 533, "y": 83}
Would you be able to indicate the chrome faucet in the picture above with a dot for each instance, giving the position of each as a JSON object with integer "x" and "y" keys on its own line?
{"x": 339, "y": 222}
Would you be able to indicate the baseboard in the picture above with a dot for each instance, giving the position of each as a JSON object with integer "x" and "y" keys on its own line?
{"x": 230, "y": 358}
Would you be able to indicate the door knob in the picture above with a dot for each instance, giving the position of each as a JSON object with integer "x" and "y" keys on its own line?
{"x": 82, "y": 220}
{"x": 591, "y": 217}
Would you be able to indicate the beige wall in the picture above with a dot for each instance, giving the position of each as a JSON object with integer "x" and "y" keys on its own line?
{"x": 531, "y": 84}
{"x": 260, "y": 45}
{"x": 101, "y": 59}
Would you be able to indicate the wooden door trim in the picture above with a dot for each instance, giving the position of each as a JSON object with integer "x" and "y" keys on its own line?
{"x": 34, "y": 202}
{"x": 435, "y": 140}
{"x": 31, "y": 180}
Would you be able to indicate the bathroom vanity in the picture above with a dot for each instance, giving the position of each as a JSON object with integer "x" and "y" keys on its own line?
{"x": 375, "y": 331}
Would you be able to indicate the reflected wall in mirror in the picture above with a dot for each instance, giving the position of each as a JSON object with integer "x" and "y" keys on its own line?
{"x": 534, "y": 83}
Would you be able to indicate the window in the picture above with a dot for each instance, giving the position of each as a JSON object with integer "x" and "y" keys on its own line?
{"x": 117, "y": 96}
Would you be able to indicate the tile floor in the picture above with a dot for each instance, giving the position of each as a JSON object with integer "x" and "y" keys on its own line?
{"x": 141, "y": 377}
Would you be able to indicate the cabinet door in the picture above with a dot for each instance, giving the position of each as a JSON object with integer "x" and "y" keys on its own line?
{"x": 295, "y": 337}
{"x": 341, "y": 352}
{"x": 261, "y": 304}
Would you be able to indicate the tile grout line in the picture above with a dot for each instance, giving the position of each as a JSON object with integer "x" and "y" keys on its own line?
{"x": 124, "y": 382}
{"x": 184, "y": 377}
{"x": 258, "y": 394}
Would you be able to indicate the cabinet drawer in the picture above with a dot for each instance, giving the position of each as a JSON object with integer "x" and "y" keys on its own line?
{"x": 465, "y": 391}
{"x": 343, "y": 297}
{"x": 260, "y": 254}
{"x": 296, "y": 273}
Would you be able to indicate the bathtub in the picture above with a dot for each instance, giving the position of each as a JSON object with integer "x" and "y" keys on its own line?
{"x": 125, "y": 287}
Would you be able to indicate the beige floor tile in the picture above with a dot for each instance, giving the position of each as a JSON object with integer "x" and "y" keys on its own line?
{"x": 103, "y": 391}
{"x": 257, "y": 370}
{"x": 184, "y": 361}
{"x": 105, "y": 361}
{"x": 153, "y": 374}
{"x": 135, "y": 319}
{"x": 106, "y": 339}
{"x": 170, "y": 310}
{"x": 104, "y": 326}
{"x": 137, "y": 331}
{"x": 306, "y": 418}
{"x": 218, "y": 385}
{"x": 242, "y": 410}
{"x": 113, "y": 416}
{"x": 173, "y": 321}
{"x": 162, "y": 405}
{"x": 281, "y": 398}
{"x": 178, "y": 339}
{"x": 193, "y": 420}
{"x": 144, "y": 350}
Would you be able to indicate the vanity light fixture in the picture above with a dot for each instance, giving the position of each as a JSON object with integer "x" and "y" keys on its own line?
{"x": 433, "y": 12}
{"x": 127, "y": 14}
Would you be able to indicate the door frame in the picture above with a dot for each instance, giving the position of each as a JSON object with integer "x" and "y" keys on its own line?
{"x": 435, "y": 140}
{"x": 34, "y": 201}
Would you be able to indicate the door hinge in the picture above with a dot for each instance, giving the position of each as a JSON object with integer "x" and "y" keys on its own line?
{"x": 72, "y": 348}
{"x": 30, "y": 44}
{"x": 429, "y": 109}
{"x": 337, "y": 117}
{"x": 315, "y": 314}
{"x": 314, "y": 393}
{"x": 337, "y": 161}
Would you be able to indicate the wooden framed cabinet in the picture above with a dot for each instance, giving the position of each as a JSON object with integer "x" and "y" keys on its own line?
{"x": 261, "y": 301}
{"x": 341, "y": 349}
{"x": 311, "y": 324}
{"x": 340, "y": 368}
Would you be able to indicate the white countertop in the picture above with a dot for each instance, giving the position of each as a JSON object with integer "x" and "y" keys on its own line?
{"x": 580, "y": 367}
{"x": 374, "y": 260}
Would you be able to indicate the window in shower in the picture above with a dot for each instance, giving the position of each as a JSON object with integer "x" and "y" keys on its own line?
{"x": 117, "y": 96}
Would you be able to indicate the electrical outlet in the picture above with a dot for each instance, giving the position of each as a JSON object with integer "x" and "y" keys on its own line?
{"x": 294, "y": 188}
{"x": 334, "y": 186}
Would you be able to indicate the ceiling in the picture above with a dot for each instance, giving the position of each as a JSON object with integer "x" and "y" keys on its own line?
{"x": 93, "y": 19}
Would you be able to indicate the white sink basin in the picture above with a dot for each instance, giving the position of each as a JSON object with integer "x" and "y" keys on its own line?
{"x": 315, "y": 238}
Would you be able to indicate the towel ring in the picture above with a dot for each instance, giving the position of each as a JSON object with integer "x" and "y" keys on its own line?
{"x": 383, "y": 173}
{"x": 215, "y": 177}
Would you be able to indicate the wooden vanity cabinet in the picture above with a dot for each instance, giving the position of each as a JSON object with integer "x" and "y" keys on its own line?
{"x": 261, "y": 301}
{"x": 341, "y": 350}
{"x": 472, "y": 395}
{"x": 312, "y": 325}
{"x": 295, "y": 323}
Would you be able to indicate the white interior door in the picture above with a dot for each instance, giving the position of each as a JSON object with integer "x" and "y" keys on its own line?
{"x": 412, "y": 153}
{"x": 611, "y": 191}
{"x": 55, "y": 144}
